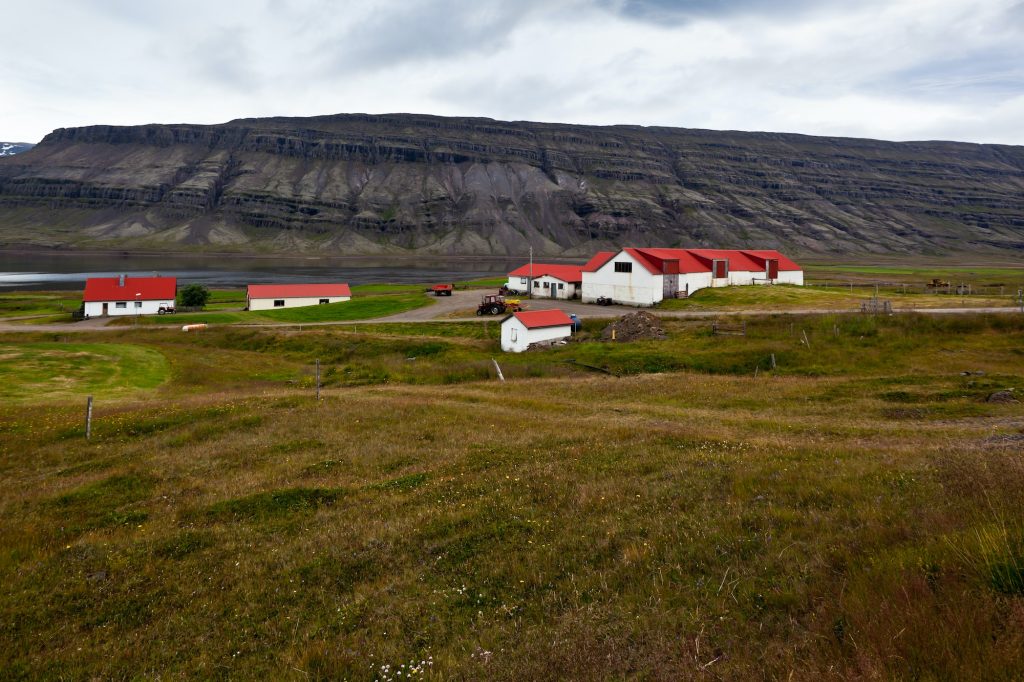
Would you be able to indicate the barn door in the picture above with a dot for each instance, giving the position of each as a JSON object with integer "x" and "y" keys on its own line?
{"x": 670, "y": 286}
{"x": 772, "y": 268}
{"x": 721, "y": 268}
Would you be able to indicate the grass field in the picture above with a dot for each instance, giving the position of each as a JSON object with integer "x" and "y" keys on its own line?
{"x": 853, "y": 514}
{"x": 359, "y": 308}
{"x": 23, "y": 303}
{"x": 40, "y": 371}
{"x": 785, "y": 297}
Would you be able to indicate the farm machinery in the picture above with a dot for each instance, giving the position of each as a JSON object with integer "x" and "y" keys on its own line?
{"x": 496, "y": 304}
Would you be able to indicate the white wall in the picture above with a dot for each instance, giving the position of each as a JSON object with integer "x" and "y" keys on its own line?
{"x": 95, "y": 308}
{"x": 515, "y": 337}
{"x": 268, "y": 303}
{"x": 791, "y": 277}
{"x": 638, "y": 287}
{"x": 518, "y": 283}
{"x": 568, "y": 289}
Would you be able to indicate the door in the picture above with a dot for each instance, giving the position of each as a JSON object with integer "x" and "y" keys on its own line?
{"x": 772, "y": 269}
{"x": 721, "y": 268}
{"x": 670, "y": 285}
{"x": 105, "y": 308}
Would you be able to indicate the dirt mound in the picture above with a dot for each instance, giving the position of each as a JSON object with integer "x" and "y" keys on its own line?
{"x": 634, "y": 327}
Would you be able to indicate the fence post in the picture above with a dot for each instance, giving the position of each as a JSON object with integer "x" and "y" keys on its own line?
{"x": 496, "y": 367}
{"x": 318, "y": 378}
{"x": 88, "y": 418}
{"x": 773, "y": 360}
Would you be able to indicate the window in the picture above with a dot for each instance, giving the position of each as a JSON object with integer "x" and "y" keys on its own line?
{"x": 279, "y": 303}
{"x": 121, "y": 304}
{"x": 546, "y": 285}
{"x": 515, "y": 336}
{"x": 536, "y": 285}
{"x": 324, "y": 300}
{"x": 138, "y": 304}
{"x": 561, "y": 286}
{"x": 522, "y": 280}
{"x": 623, "y": 267}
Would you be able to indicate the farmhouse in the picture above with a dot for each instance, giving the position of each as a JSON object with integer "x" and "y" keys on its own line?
{"x": 647, "y": 276}
{"x": 547, "y": 281}
{"x": 125, "y": 295}
{"x": 520, "y": 330}
{"x": 270, "y": 296}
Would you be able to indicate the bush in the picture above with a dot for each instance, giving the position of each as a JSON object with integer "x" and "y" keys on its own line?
{"x": 193, "y": 296}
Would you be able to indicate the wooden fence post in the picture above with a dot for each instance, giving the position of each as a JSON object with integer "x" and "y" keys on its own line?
{"x": 88, "y": 418}
{"x": 773, "y": 360}
{"x": 318, "y": 378}
{"x": 496, "y": 367}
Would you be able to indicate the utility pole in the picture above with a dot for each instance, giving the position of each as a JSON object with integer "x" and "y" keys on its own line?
{"x": 530, "y": 286}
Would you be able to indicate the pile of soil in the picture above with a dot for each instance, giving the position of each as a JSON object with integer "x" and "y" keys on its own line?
{"x": 634, "y": 327}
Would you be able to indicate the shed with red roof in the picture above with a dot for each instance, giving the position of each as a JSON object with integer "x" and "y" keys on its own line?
{"x": 521, "y": 330}
{"x": 271, "y": 296}
{"x": 546, "y": 280}
{"x": 645, "y": 276}
{"x": 126, "y": 295}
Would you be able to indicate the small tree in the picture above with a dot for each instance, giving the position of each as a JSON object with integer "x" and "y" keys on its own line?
{"x": 193, "y": 296}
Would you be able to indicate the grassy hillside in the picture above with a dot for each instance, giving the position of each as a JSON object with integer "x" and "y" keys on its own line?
{"x": 855, "y": 513}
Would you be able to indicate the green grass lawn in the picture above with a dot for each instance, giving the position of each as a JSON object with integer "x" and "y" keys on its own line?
{"x": 42, "y": 372}
{"x": 21, "y": 303}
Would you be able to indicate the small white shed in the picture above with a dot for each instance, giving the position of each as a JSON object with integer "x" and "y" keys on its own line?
{"x": 520, "y": 330}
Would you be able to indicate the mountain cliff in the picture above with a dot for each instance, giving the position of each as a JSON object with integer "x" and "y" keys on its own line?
{"x": 365, "y": 184}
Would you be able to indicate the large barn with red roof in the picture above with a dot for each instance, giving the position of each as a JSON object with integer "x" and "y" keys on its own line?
{"x": 128, "y": 295}
{"x": 644, "y": 277}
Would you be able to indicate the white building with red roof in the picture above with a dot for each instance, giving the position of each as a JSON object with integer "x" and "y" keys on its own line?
{"x": 521, "y": 330}
{"x": 644, "y": 277}
{"x": 546, "y": 280}
{"x": 272, "y": 296}
{"x": 125, "y": 295}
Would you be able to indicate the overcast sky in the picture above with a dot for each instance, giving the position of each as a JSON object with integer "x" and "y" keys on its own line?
{"x": 890, "y": 69}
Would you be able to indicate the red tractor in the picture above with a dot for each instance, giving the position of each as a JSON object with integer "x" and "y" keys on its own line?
{"x": 496, "y": 304}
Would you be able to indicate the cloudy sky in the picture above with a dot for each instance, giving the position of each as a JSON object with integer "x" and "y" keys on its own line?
{"x": 890, "y": 69}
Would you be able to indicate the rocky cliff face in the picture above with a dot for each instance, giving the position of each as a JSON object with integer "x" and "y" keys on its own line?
{"x": 354, "y": 184}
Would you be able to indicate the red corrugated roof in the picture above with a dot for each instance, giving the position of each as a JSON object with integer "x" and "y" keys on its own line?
{"x": 536, "y": 319}
{"x": 298, "y": 290}
{"x": 134, "y": 289}
{"x": 738, "y": 260}
{"x": 688, "y": 263}
{"x": 784, "y": 263}
{"x": 599, "y": 259}
{"x": 699, "y": 260}
{"x": 566, "y": 273}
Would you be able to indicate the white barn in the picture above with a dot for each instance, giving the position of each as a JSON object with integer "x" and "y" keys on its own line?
{"x": 643, "y": 277}
{"x": 271, "y": 296}
{"x": 125, "y": 295}
{"x": 520, "y": 330}
{"x": 544, "y": 280}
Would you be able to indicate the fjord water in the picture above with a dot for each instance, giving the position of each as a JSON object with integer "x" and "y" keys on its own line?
{"x": 68, "y": 271}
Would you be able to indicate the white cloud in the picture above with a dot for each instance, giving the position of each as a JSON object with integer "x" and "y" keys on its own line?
{"x": 903, "y": 69}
